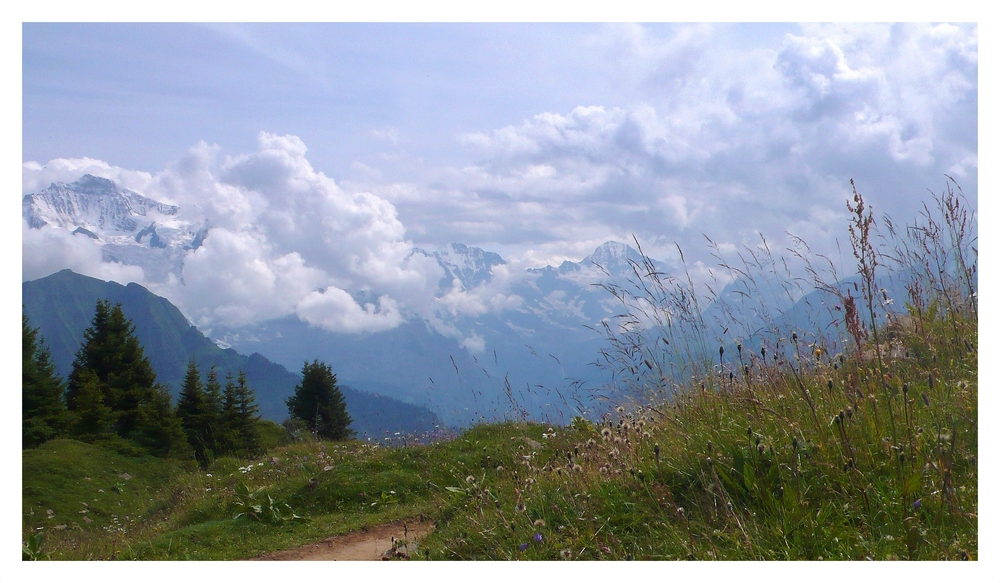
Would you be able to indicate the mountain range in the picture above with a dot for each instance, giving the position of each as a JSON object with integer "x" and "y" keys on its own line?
{"x": 535, "y": 359}
{"x": 62, "y": 306}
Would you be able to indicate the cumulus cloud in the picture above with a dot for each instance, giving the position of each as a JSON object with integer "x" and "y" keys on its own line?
{"x": 722, "y": 140}
{"x": 714, "y": 137}
{"x": 35, "y": 176}
{"x": 48, "y": 250}
{"x": 335, "y": 309}
{"x": 277, "y": 231}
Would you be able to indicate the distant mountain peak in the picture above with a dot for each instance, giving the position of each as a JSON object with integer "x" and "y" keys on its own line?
{"x": 131, "y": 228}
{"x": 470, "y": 265}
{"x": 90, "y": 184}
{"x": 613, "y": 256}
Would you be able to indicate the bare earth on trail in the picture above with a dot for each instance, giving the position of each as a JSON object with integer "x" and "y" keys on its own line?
{"x": 371, "y": 544}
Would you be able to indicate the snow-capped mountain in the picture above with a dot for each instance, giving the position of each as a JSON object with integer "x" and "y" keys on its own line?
{"x": 461, "y": 365}
{"x": 132, "y": 229}
{"x": 470, "y": 265}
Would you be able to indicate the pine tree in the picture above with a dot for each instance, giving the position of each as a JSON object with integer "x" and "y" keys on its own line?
{"x": 213, "y": 400}
{"x": 43, "y": 411}
{"x": 248, "y": 414}
{"x": 94, "y": 420}
{"x": 319, "y": 403}
{"x": 240, "y": 434}
{"x": 111, "y": 365}
{"x": 227, "y": 438}
{"x": 194, "y": 412}
{"x": 159, "y": 429}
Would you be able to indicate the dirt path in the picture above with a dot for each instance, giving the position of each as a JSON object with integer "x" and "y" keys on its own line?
{"x": 376, "y": 543}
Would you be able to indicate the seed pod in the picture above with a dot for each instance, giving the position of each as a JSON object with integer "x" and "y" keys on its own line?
{"x": 927, "y": 402}
{"x": 829, "y": 385}
{"x": 795, "y": 443}
{"x": 906, "y": 388}
{"x": 930, "y": 381}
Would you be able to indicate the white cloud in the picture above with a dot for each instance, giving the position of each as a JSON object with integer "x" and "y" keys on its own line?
{"x": 278, "y": 230}
{"x": 335, "y": 309}
{"x": 36, "y": 177}
{"x": 719, "y": 139}
{"x": 707, "y": 135}
{"x": 48, "y": 250}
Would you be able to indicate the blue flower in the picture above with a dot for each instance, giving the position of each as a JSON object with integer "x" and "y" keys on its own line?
{"x": 538, "y": 537}
{"x": 522, "y": 546}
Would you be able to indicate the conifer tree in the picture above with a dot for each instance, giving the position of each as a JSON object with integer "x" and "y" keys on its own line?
{"x": 193, "y": 410}
{"x": 159, "y": 429}
{"x": 229, "y": 419}
{"x": 246, "y": 430}
{"x": 43, "y": 411}
{"x": 214, "y": 402}
{"x": 93, "y": 419}
{"x": 240, "y": 434}
{"x": 319, "y": 403}
{"x": 111, "y": 364}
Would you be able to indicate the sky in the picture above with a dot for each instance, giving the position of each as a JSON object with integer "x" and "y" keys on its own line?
{"x": 322, "y": 154}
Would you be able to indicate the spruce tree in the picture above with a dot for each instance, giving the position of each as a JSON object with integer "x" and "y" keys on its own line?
{"x": 319, "y": 403}
{"x": 194, "y": 412}
{"x": 111, "y": 362}
{"x": 43, "y": 411}
{"x": 93, "y": 419}
{"x": 247, "y": 415}
{"x": 240, "y": 434}
{"x": 213, "y": 400}
{"x": 229, "y": 419}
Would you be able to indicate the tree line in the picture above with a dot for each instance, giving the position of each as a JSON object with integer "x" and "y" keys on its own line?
{"x": 112, "y": 397}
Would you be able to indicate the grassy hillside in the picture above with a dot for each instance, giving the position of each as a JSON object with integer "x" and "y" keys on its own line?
{"x": 798, "y": 452}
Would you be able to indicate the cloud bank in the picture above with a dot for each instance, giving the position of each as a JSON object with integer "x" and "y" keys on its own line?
{"x": 718, "y": 138}
{"x": 715, "y": 136}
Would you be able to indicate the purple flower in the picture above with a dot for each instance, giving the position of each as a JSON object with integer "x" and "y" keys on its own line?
{"x": 538, "y": 537}
{"x": 916, "y": 504}
{"x": 522, "y": 546}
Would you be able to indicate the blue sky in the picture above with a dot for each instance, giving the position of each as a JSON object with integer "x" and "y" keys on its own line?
{"x": 537, "y": 141}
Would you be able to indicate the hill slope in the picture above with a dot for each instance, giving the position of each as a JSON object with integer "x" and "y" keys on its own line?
{"x": 62, "y": 306}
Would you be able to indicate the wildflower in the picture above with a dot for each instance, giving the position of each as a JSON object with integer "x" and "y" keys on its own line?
{"x": 538, "y": 537}
{"x": 916, "y": 504}
{"x": 577, "y": 468}
{"x": 620, "y": 409}
{"x": 522, "y": 546}
{"x": 565, "y": 554}
{"x": 470, "y": 479}
{"x": 539, "y": 522}
{"x": 606, "y": 433}
{"x": 519, "y": 507}
{"x": 603, "y": 469}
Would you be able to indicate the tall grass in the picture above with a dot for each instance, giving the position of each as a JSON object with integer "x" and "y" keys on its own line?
{"x": 852, "y": 437}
